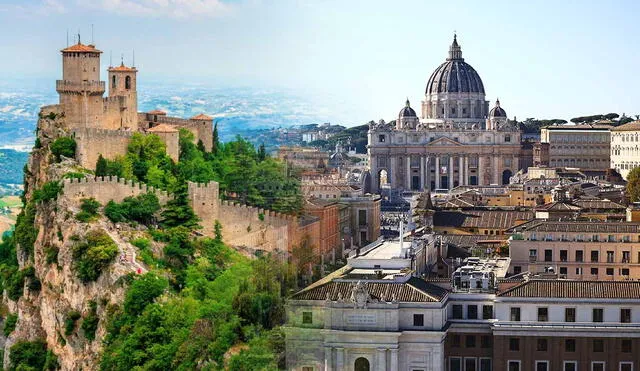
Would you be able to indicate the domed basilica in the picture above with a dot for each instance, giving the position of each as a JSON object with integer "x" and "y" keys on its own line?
{"x": 457, "y": 140}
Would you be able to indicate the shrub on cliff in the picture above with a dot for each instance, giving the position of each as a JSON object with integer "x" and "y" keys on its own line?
{"x": 141, "y": 209}
{"x": 93, "y": 255}
{"x": 63, "y": 146}
{"x": 49, "y": 191}
{"x": 90, "y": 321}
{"x": 32, "y": 355}
{"x": 10, "y": 324}
{"x": 89, "y": 209}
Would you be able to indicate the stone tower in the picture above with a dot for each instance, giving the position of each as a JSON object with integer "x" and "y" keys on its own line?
{"x": 80, "y": 89}
{"x": 122, "y": 94}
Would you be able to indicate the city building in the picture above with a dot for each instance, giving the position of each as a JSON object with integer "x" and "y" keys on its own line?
{"x": 456, "y": 141}
{"x": 583, "y": 146}
{"x": 586, "y": 250}
{"x": 625, "y": 154}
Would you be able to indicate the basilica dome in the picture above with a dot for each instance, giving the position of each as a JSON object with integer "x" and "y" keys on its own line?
{"x": 454, "y": 75}
{"x": 497, "y": 111}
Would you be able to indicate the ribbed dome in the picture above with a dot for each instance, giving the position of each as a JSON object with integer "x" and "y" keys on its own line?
{"x": 407, "y": 111}
{"x": 497, "y": 111}
{"x": 454, "y": 75}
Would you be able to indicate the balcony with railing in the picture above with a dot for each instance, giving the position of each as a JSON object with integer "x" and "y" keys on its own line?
{"x": 95, "y": 87}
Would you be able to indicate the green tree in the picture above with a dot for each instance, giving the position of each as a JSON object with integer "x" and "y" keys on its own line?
{"x": 216, "y": 140}
{"x": 178, "y": 212}
{"x": 63, "y": 146}
{"x": 262, "y": 154}
{"x": 633, "y": 185}
{"x": 101, "y": 166}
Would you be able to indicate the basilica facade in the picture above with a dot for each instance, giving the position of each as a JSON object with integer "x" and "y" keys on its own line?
{"x": 457, "y": 140}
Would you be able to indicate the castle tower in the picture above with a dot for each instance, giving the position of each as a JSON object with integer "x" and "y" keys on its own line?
{"x": 80, "y": 89}
{"x": 122, "y": 104}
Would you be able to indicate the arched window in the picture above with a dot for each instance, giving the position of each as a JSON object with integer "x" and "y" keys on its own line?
{"x": 113, "y": 81}
{"x": 361, "y": 364}
{"x": 127, "y": 82}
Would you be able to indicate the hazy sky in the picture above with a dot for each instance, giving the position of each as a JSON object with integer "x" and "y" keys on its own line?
{"x": 543, "y": 59}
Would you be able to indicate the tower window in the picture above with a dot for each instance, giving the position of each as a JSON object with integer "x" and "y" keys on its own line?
{"x": 113, "y": 81}
{"x": 127, "y": 82}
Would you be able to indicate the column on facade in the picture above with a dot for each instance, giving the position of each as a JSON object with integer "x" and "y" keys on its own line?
{"x": 394, "y": 359}
{"x": 408, "y": 170}
{"x": 496, "y": 169}
{"x": 427, "y": 175}
{"x": 391, "y": 172}
{"x": 328, "y": 358}
{"x": 450, "y": 172}
{"x": 480, "y": 175}
{"x": 422, "y": 187}
{"x": 437, "y": 172}
{"x": 340, "y": 359}
{"x": 515, "y": 163}
{"x": 382, "y": 359}
{"x": 460, "y": 170}
{"x": 466, "y": 169}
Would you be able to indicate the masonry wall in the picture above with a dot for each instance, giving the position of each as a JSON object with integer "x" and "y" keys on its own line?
{"x": 95, "y": 142}
{"x": 105, "y": 189}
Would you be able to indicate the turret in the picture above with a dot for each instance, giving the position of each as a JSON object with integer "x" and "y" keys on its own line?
{"x": 122, "y": 83}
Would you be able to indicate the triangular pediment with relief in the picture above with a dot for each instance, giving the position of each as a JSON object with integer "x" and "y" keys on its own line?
{"x": 443, "y": 141}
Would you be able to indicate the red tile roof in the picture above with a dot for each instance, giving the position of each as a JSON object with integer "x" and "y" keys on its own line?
{"x": 122, "y": 68}
{"x": 157, "y": 112}
{"x": 575, "y": 289}
{"x": 201, "y": 116}
{"x": 492, "y": 219}
{"x": 81, "y": 48}
{"x": 630, "y": 126}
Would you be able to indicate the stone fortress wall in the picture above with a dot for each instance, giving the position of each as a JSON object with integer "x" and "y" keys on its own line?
{"x": 91, "y": 143}
{"x": 242, "y": 226}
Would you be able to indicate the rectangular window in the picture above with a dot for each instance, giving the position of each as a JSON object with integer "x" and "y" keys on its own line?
{"x": 594, "y": 256}
{"x": 485, "y": 364}
{"x": 626, "y": 366}
{"x": 569, "y": 314}
{"x": 455, "y": 364}
{"x": 418, "y": 320}
{"x": 470, "y": 341}
{"x": 542, "y": 345}
{"x": 487, "y": 311}
{"x": 307, "y": 318}
{"x": 597, "y": 366}
{"x": 362, "y": 217}
{"x": 570, "y": 345}
{"x": 514, "y": 344}
{"x": 610, "y": 256}
{"x": 469, "y": 364}
{"x": 543, "y": 314}
{"x": 625, "y": 315}
{"x": 570, "y": 366}
{"x": 626, "y": 257}
{"x": 624, "y": 271}
{"x": 381, "y": 138}
{"x": 457, "y": 311}
{"x": 455, "y": 341}
{"x": 486, "y": 341}
{"x": 515, "y": 314}
{"x": 548, "y": 255}
{"x": 507, "y": 138}
{"x": 542, "y": 366}
{"x": 598, "y": 315}
{"x": 579, "y": 255}
{"x": 598, "y": 345}
{"x": 594, "y": 271}
{"x": 625, "y": 345}
{"x": 472, "y": 312}
{"x": 563, "y": 255}
{"x": 609, "y": 271}
{"x": 513, "y": 365}
{"x": 563, "y": 270}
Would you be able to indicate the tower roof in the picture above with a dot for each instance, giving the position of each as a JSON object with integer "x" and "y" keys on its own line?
{"x": 122, "y": 68}
{"x": 81, "y": 48}
{"x": 157, "y": 112}
{"x": 497, "y": 111}
{"x": 407, "y": 111}
{"x": 201, "y": 116}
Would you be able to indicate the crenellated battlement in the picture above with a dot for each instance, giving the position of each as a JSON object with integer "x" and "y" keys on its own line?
{"x": 97, "y": 133}
{"x": 105, "y": 189}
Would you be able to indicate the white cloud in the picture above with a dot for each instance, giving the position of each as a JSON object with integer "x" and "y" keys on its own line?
{"x": 42, "y": 7}
{"x": 163, "y": 8}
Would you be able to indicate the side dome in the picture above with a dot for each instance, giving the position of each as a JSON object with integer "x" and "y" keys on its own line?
{"x": 407, "y": 111}
{"x": 455, "y": 75}
{"x": 497, "y": 111}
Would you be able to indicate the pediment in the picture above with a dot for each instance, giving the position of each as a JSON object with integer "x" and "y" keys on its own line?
{"x": 443, "y": 141}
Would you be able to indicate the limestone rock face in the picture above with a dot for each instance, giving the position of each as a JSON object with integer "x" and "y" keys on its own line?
{"x": 42, "y": 313}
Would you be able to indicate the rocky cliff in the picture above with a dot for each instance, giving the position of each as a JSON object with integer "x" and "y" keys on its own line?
{"x": 56, "y": 303}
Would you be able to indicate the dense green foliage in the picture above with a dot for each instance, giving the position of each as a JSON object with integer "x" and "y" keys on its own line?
{"x": 49, "y": 191}
{"x": 10, "y": 324}
{"x": 93, "y": 255}
{"x": 70, "y": 322}
{"x": 32, "y": 356}
{"x": 633, "y": 185}
{"x": 140, "y": 209}
{"x": 225, "y": 299}
{"x": 89, "y": 209}
{"x": 90, "y": 322}
{"x": 63, "y": 146}
{"x": 51, "y": 254}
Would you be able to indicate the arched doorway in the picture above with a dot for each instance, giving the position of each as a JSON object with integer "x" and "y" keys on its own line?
{"x": 383, "y": 179}
{"x": 361, "y": 364}
{"x": 506, "y": 175}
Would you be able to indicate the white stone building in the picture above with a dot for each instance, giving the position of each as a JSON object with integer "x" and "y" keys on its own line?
{"x": 625, "y": 153}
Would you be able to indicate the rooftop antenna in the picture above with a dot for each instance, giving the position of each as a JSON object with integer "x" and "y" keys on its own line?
{"x": 134, "y": 58}
{"x": 92, "y": 34}
{"x": 122, "y": 59}
{"x": 78, "y": 36}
